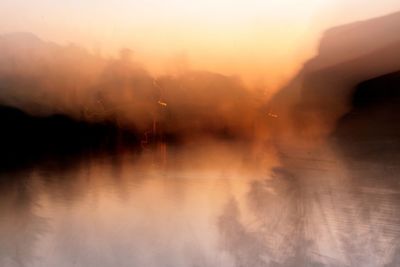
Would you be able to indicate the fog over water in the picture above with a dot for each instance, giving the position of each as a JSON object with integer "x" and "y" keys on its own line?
{"x": 105, "y": 164}
{"x": 202, "y": 205}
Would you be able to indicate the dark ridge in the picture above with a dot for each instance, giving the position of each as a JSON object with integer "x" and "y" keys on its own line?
{"x": 371, "y": 130}
{"x": 349, "y": 54}
{"x": 26, "y": 140}
{"x": 378, "y": 91}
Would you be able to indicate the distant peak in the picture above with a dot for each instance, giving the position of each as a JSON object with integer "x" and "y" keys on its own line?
{"x": 389, "y": 19}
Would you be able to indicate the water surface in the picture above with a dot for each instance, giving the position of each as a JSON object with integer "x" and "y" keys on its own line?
{"x": 209, "y": 204}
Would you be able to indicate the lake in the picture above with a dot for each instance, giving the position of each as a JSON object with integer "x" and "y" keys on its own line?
{"x": 204, "y": 204}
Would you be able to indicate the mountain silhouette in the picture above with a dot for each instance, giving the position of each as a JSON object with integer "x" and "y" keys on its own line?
{"x": 320, "y": 94}
{"x": 370, "y": 130}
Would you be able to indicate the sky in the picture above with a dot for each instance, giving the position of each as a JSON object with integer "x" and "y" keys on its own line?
{"x": 263, "y": 41}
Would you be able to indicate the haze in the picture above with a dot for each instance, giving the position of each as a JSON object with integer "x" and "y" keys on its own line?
{"x": 265, "y": 42}
{"x": 200, "y": 133}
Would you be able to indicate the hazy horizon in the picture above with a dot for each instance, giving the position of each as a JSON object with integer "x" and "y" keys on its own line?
{"x": 208, "y": 133}
{"x": 264, "y": 42}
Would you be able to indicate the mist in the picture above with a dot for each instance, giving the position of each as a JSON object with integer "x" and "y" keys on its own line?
{"x": 107, "y": 163}
{"x": 43, "y": 79}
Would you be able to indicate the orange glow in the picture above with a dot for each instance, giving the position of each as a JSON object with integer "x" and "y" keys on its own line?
{"x": 258, "y": 40}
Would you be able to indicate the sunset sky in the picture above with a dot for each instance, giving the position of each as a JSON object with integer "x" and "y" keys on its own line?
{"x": 260, "y": 40}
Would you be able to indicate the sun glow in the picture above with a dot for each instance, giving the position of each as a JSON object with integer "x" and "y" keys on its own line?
{"x": 262, "y": 41}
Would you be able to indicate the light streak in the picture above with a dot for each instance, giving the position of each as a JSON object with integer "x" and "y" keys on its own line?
{"x": 162, "y": 103}
{"x": 273, "y": 115}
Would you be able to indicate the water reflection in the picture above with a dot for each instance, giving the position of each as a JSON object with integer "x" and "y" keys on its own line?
{"x": 20, "y": 226}
{"x": 202, "y": 205}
